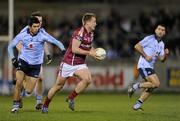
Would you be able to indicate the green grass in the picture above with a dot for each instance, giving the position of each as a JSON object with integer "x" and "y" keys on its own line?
{"x": 96, "y": 107}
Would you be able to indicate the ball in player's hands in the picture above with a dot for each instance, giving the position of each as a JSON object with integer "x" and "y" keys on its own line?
{"x": 100, "y": 54}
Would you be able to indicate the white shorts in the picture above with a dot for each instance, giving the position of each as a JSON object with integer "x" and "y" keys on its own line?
{"x": 67, "y": 70}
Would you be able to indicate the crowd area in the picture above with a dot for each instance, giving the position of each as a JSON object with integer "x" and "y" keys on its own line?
{"x": 117, "y": 34}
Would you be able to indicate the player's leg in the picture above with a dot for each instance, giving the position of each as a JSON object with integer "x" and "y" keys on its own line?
{"x": 33, "y": 75}
{"x": 54, "y": 89}
{"x": 24, "y": 86}
{"x": 144, "y": 96}
{"x": 153, "y": 82}
{"x": 30, "y": 85}
{"x": 39, "y": 90}
{"x": 138, "y": 85}
{"x": 146, "y": 74}
{"x": 85, "y": 76}
{"x": 20, "y": 76}
{"x": 39, "y": 93}
{"x": 22, "y": 94}
{"x": 146, "y": 93}
{"x": 24, "y": 82}
{"x": 17, "y": 90}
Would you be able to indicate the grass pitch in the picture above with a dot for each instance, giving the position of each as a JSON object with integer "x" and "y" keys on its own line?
{"x": 96, "y": 107}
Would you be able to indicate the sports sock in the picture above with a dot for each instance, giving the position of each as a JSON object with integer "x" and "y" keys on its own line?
{"x": 138, "y": 104}
{"x": 15, "y": 104}
{"x": 136, "y": 86}
{"x": 46, "y": 102}
{"x": 38, "y": 99}
{"x": 73, "y": 95}
{"x": 140, "y": 101}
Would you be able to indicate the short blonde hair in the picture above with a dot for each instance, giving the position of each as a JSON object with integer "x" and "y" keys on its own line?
{"x": 87, "y": 17}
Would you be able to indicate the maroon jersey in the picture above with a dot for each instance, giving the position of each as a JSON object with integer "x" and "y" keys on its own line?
{"x": 86, "y": 38}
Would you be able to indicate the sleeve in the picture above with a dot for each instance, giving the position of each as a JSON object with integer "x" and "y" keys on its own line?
{"x": 12, "y": 44}
{"x": 52, "y": 40}
{"x": 146, "y": 41}
{"x": 78, "y": 35}
{"x": 162, "y": 49}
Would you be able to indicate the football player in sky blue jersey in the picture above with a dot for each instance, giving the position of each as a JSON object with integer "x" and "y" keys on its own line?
{"x": 39, "y": 85}
{"x": 150, "y": 48}
{"x": 30, "y": 58}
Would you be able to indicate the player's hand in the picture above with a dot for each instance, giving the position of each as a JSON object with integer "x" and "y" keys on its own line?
{"x": 167, "y": 51}
{"x": 15, "y": 62}
{"x": 63, "y": 52}
{"x": 148, "y": 58}
{"x": 98, "y": 58}
{"x": 48, "y": 59}
{"x": 92, "y": 53}
{"x": 14, "y": 82}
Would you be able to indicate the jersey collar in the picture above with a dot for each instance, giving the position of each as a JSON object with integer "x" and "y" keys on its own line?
{"x": 28, "y": 32}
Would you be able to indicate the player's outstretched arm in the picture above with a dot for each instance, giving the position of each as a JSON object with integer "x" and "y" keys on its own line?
{"x": 51, "y": 39}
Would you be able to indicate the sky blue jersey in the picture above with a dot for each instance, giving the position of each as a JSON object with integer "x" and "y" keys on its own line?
{"x": 32, "y": 46}
{"x": 152, "y": 48}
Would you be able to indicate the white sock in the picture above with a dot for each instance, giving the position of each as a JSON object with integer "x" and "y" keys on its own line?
{"x": 138, "y": 104}
{"x": 136, "y": 86}
{"x": 38, "y": 99}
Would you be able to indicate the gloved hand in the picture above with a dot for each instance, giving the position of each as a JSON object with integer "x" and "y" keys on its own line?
{"x": 15, "y": 62}
{"x": 14, "y": 82}
{"x": 63, "y": 52}
{"x": 48, "y": 59}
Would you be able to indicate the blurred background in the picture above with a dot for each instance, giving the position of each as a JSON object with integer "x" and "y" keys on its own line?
{"x": 121, "y": 24}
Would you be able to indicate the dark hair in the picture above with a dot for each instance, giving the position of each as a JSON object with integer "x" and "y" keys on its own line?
{"x": 36, "y": 13}
{"x": 160, "y": 24}
{"x": 87, "y": 17}
{"x": 33, "y": 20}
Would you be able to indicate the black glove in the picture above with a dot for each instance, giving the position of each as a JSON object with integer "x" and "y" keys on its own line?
{"x": 15, "y": 62}
{"x": 14, "y": 82}
{"x": 63, "y": 52}
{"x": 48, "y": 59}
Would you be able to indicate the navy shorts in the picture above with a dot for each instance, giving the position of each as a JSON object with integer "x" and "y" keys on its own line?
{"x": 29, "y": 70}
{"x": 144, "y": 72}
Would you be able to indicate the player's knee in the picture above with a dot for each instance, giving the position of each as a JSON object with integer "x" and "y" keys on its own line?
{"x": 156, "y": 85}
{"x": 40, "y": 80}
{"x": 87, "y": 80}
{"x": 59, "y": 85}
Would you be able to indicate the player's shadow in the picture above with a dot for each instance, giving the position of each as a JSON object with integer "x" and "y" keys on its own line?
{"x": 84, "y": 111}
{"x": 65, "y": 112}
{"x": 31, "y": 110}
